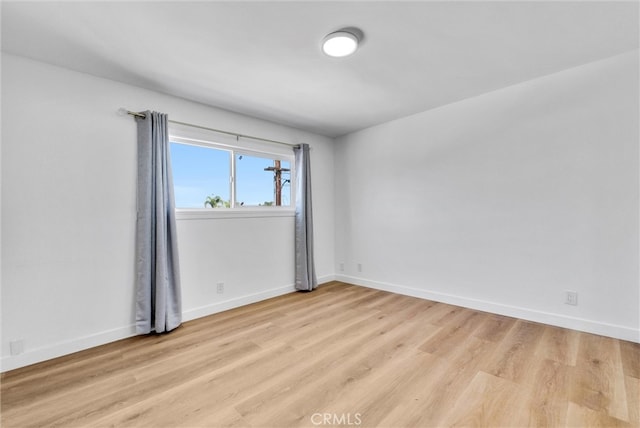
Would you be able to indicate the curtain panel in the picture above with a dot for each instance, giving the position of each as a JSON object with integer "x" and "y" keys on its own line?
{"x": 158, "y": 298}
{"x": 305, "y": 276}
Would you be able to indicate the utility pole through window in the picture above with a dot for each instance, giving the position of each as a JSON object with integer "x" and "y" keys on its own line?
{"x": 277, "y": 180}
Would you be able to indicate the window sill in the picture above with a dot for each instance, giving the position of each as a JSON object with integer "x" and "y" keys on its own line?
{"x": 218, "y": 213}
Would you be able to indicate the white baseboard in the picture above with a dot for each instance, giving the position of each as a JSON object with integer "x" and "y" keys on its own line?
{"x": 580, "y": 324}
{"x": 68, "y": 347}
{"x": 214, "y": 308}
{"x": 236, "y": 302}
{"x": 326, "y": 278}
{"x": 38, "y": 355}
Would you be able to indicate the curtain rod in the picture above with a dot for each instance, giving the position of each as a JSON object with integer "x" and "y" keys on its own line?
{"x": 235, "y": 134}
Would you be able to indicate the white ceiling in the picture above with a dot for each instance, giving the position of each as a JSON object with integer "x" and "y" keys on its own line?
{"x": 263, "y": 59}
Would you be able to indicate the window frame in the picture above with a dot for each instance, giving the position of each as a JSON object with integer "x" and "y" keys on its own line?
{"x": 255, "y": 150}
{"x": 263, "y": 155}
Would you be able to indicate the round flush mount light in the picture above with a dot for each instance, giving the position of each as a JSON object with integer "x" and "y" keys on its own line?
{"x": 340, "y": 43}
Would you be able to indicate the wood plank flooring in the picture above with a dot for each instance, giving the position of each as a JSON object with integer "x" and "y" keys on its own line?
{"x": 340, "y": 356}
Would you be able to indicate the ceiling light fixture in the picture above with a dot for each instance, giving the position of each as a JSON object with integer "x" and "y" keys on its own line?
{"x": 340, "y": 43}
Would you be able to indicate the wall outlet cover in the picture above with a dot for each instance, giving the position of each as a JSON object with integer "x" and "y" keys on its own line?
{"x": 571, "y": 298}
{"x": 16, "y": 347}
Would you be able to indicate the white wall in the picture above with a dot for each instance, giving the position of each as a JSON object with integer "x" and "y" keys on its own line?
{"x": 504, "y": 201}
{"x": 501, "y": 202}
{"x": 68, "y": 214}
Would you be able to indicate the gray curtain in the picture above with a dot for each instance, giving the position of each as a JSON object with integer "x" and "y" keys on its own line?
{"x": 305, "y": 269}
{"x": 158, "y": 299}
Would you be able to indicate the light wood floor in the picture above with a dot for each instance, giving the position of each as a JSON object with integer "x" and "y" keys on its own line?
{"x": 341, "y": 355}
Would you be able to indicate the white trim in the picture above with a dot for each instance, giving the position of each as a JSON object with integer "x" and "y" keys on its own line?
{"x": 11, "y": 362}
{"x": 260, "y": 152}
{"x": 574, "y": 323}
{"x": 236, "y": 302}
{"x": 326, "y": 278}
{"x": 210, "y": 138}
{"x": 248, "y": 212}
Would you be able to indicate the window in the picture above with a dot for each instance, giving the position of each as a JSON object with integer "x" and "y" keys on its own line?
{"x": 199, "y": 173}
{"x": 214, "y": 176}
{"x": 262, "y": 181}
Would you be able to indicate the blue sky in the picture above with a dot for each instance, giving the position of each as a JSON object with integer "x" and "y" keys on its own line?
{"x": 199, "y": 172}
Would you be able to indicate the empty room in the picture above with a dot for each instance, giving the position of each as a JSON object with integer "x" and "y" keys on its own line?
{"x": 320, "y": 213}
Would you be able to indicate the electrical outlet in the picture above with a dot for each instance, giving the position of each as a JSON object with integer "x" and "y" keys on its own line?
{"x": 16, "y": 347}
{"x": 220, "y": 288}
{"x": 571, "y": 298}
{"x": 359, "y": 267}
{"x": 341, "y": 267}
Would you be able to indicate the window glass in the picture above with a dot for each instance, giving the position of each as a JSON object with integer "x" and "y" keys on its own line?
{"x": 200, "y": 176}
{"x": 204, "y": 176}
{"x": 262, "y": 181}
